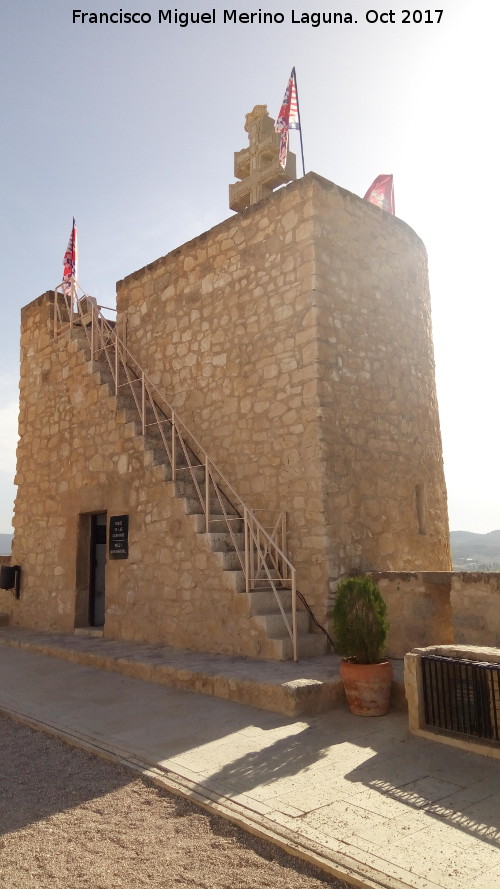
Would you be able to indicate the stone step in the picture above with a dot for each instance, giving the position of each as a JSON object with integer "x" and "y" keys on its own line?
{"x": 126, "y": 402}
{"x": 89, "y": 632}
{"x": 274, "y": 626}
{"x": 154, "y": 431}
{"x": 264, "y": 601}
{"x": 311, "y": 645}
{"x": 103, "y": 371}
{"x": 238, "y": 579}
{"x": 216, "y": 525}
{"x": 230, "y": 560}
{"x": 222, "y": 541}
{"x": 162, "y": 473}
{"x": 190, "y": 486}
{"x": 185, "y": 487}
{"x": 159, "y": 458}
{"x": 193, "y": 506}
{"x": 78, "y": 333}
{"x": 185, "y": 472}
{"x": 291, "y": 689}
{"x": 103, "y": 379}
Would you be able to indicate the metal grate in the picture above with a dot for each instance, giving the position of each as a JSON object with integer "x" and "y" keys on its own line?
{"x": 462, "y": 696}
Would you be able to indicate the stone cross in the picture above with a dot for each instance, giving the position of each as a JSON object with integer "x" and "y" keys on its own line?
{"x": 258, "y": 166}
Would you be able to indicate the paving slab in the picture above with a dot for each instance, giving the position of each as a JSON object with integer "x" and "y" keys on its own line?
{"x": 360, "y": 797}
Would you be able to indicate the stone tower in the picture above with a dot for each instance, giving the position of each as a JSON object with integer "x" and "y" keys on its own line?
{"x": 298, "y": 334}
{"x": 295, "y": 339}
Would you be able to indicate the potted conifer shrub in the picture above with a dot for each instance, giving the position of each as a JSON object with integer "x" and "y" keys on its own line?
{"x": 360, "y": 628}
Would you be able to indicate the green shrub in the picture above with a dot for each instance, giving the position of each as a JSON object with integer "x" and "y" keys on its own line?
{"x": 359, "y": 620}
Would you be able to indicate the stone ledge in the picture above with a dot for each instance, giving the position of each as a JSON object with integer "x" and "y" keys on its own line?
{"x": 466, "y": 652}
{"x": 293, "y": 689}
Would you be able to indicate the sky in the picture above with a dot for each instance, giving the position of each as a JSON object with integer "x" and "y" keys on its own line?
{"x": 131, "y": 128}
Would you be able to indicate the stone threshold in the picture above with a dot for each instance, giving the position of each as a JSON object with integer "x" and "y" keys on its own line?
{"x": 293, "y": 689}
{"x": 91, "y": 632}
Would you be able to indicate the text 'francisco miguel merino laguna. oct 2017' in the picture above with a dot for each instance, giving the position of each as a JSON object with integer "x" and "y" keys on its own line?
{"x": 259, "y": 17}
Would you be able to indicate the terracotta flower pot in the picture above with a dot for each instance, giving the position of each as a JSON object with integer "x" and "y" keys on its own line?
{"x": 367, "y": 687}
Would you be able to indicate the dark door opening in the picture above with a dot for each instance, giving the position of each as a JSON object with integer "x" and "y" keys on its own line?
{"x": 97, "y": 569}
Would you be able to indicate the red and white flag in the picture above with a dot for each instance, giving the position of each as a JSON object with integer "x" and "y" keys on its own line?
{"x": 288, "y": 117}
{"x": 70, "y": 260}
{"x": 381, "y": 193}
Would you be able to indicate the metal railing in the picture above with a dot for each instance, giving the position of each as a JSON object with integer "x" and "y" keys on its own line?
{"x": 261, "y": 551}
{"x": 461, "y": 696}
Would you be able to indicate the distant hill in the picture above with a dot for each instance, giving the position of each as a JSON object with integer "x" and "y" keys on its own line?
{"x": 475, "y": 552}
{"x": 5, "y": 544}
{"x": 471, "y": 552}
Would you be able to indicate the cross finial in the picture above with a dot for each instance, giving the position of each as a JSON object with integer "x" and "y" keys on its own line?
{"x": 258, "y": 166}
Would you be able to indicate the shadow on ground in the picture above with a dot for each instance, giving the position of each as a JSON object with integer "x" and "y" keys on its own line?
{"x": 40, "y": 776}
{"x": 453, "y": 786}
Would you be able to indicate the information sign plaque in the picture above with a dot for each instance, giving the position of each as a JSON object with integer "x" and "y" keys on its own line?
{"x": 118, "y": 537}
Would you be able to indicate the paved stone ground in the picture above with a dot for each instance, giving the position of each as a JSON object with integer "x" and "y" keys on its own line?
{"x": 361, "y": 797}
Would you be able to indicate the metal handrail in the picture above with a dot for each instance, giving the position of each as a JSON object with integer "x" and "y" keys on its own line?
{"x": 262, "y": 558}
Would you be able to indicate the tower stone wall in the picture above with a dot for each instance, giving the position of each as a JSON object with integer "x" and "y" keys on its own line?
{"x": 79, "y": 455}
{"x": 294, "y": 340}
{"x": 385, "y": 492}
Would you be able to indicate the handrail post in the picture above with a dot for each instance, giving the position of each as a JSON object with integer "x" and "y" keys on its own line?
{"x": 294, "y": 615}
{"x": 143, "y": 404}
{"x": 71, "y": 301}
{"x": 92, "y": 336}
{"x": 116, "y": 366}
{"x": 258, "y": 552}
{"x": 283, "y": 544}
{"x": 252, "y": 546}
{"x": 247, "y": 549}
{"x": 207, "y": 496}
{"x": 173, "y": 447}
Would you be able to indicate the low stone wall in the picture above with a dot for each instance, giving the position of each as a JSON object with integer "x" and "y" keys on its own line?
{"x": 475, "y": 607}
{"x": 419, "y": 608}
{"x": 440, "y": 608}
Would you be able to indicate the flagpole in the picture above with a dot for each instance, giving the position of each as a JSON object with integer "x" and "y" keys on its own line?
{"x": 300, "y": 123}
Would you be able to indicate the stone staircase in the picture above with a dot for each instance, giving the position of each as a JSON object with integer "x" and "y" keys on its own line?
{"x": 189, "y": 486}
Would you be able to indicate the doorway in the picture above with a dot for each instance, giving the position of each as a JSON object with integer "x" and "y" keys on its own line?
{"x": 97, "y": 586}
